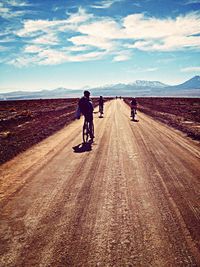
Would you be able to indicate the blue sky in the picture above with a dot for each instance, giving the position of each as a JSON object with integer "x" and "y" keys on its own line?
{"x": 73, "y": 44}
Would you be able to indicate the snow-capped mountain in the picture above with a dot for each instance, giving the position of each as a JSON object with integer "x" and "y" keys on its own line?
{"x": 190, "y": 88}
{"x": 144, "y": 83}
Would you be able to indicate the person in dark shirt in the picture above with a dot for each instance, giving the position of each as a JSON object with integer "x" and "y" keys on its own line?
{"x": 133, "y": 107}
{"x": 101, "y": 102}
{"x": 86, "y": 108}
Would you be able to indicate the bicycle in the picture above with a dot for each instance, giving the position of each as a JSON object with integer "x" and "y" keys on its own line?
{"x": 133, "y": 112}
{"x": 88, "y": 131}
{"x": 101, "y": 111}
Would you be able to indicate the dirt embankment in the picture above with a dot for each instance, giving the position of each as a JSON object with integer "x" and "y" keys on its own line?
{"x": 180, "y": 113}
{"x": 24, "y": 123}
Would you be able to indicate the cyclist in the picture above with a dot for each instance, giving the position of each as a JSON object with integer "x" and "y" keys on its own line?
{"x": 133, "y": 107}
{"x": 101, "y": 102}
{"x": 86, "y": 108}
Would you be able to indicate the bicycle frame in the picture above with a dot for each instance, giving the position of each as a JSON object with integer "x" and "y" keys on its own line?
{"x": 88, "y": 130}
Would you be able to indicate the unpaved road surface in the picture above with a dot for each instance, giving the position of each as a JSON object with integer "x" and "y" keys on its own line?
{"x": 133, "y": 200}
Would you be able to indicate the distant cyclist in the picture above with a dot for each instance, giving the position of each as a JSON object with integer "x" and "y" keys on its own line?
{"x": 101, "y": 102}
{"x": 86, "y": 108}
{"x": 133, "y": 108}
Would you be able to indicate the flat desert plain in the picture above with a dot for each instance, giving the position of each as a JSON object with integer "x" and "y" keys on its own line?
{"x": 131, "y": 199}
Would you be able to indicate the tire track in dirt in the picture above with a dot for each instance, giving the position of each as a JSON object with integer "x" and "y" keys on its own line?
{"x": 33, "y": 170}
{"x": 158, "y": 169}
{"x": 9, "y": 188}
{"x": 181, "y": 178}
{"x": 54, "y": 196}
{"x": 75, "y": 246}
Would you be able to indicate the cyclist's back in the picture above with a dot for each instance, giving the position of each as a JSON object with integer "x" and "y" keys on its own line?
{"x": 133, "y": 103}
{"x": 133, "y": 107}
{"x": 86, "y": 106}
{"x": 101, "y": 102}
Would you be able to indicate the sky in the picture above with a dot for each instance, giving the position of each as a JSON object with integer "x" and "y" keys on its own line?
{"x": 87, "y": 43}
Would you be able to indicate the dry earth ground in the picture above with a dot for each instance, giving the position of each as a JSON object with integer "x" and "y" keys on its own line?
{"x": 133, "y": 200}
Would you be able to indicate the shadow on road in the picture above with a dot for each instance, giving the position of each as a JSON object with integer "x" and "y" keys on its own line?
{"x": 83, "y": 147}
{"x": 135, "y": 120}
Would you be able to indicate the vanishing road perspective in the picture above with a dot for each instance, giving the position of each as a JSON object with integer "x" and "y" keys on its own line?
{"x": 132, "y": 200}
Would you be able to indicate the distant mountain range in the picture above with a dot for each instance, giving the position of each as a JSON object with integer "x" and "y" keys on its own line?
{"x": 190, "y": 88}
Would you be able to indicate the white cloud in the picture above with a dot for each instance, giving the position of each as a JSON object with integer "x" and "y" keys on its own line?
{"x": 33, "y": 49}
{"x": 151, "y": 69}
{"x": 46, "y": 39}
{"x": 189, "y": 2}
{"x": 80, "y": 16}
{"x": 138, "y": 69}
{"x": 51, "y": 57}
{"x": 7, "y": 39}
{"x": 36, "y": 55}
{"x": 168, "y": 44}
{"x": 3, "y": 10}
{"x": 107, "y": 28}
{"x": 98, "y": 42}
{"x": 122, "y": 56}
{"x": 103, "y": 36}
{"x": 32, "y": 27}
{"x": 77, "y": 48}
{"x": 23, "y": 61}
{"x": 149, "y": 33}
{"x": 17, "y": 3}
{"x": 137, "y": 26}
{"x": 163, "y": 35}
{"x": 3, "y": 48}
{"x": 191, "y": 69}
{"x": 105, "y": 4}
{"x": 7, "y": 11}
{"x": 90, "y": 56}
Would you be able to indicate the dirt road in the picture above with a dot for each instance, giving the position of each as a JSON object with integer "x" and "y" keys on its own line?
{"x": 133, "y": 200}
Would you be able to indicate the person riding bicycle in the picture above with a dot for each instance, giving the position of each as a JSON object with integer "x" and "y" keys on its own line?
{"x": 101, "y": 102}
{"x": 86, "y": 108}
{"x": 133, "y": 107}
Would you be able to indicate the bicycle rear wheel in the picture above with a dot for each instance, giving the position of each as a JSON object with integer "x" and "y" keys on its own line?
{"x": 86, "y": 132}
{"x": 92, "y": 130}
{"x": 133, "y": 114}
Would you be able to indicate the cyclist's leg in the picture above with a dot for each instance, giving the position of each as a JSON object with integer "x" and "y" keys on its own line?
{"x": 102, "y": 109}
{"x": 133, "y": 113}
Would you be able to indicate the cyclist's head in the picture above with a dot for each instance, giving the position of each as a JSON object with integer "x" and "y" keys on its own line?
{"x": 87, "y": 94}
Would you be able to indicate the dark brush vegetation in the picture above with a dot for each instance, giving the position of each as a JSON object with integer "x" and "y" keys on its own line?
{"x": 180, "y": 113}
{"x": 24, "y": 123}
